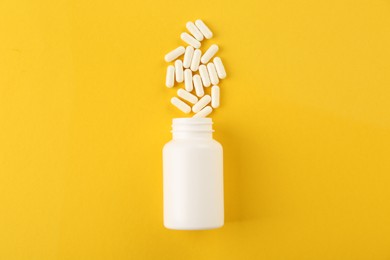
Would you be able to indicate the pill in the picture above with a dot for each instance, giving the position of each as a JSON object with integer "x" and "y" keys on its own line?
{"x": 180, "y": 105}
{"x": 194, "y": 31}
{"x": 188, "y": 57}
{"x": 190, "y": 40}
{"x": 212, "y": 73}
{"x": 204, "y": 75}
{"x": 179, "y": 71}
{"x": 174, "y": 54}
{"x": 187, "y": 96}
{"x": 196, "y": 60}
{"x": 170, "y": 79}
{"x": 209, "y": 53}
{"x": 219, "y": 67}
{"x": 188, "y": 80}
{"x": 198, "y": 85}
{"x": 215, "y": 96}
{"x": 201, "y": 103}
{"x": 204, "y": 112}
{"x": 204, "y": 29}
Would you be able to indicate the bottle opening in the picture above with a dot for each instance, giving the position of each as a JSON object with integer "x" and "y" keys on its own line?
{"x": 192, "y": 125}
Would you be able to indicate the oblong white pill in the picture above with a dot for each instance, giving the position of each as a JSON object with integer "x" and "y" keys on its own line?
{"x": 187, "y": 96}
{"x": 180, "y": 105}
{"x": 209, "y": 53}
{"x": 196, "y": 60}
{"x": 204, "y": 75}
{"x": 191, "y": 27}
{"x": 188, "y": 57}
{"x": 215, "y": 96}
{"x": 190, "y": 40}
{"x": 219, "y": 67}
{"x": 204, "y": 29}
{"x": 170, "y": 56}
{"x": 188, "y": 80}
{"x": 179, "y": 71}
{"x": 198, "y": 85}
{"x": 170, "y": 78}
{"x": 201, "y": 103}
{"x": 212, "y": 73}
{"x": 204, "y": 112}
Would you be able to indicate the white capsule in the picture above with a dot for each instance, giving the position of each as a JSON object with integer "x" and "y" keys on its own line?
{"x": 194, "y": 31}
{"x": 201, "y": 103}
{"x": 219, "y": 67}
{"x": 215, "y": 96}
{"x": 188, "y": 57}
{"x": 179, "y": 71}
{"x": 188, "y": 80}
{"x": 187, "y": 96}
{"x": 204, "y": 75}
{"x": 204, "y": 29}
{"x": 213, "y": 73}
{"x": 180, "y": 105}
{"x": 172, "y": 55}
{"x": 170, "y": 78}
{"x": 196, "y": 60}
{"x": 204, "y": 112}
{"x": 190, "y": 40}
{"x": 209, "y": 53}
{"x": 198, "y": 85}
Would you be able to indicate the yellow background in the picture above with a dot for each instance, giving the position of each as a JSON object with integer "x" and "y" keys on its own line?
{"x": 304, "y": 121}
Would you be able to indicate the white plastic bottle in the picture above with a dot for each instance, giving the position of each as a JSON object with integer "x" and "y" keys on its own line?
{"x": 193, "y": 176}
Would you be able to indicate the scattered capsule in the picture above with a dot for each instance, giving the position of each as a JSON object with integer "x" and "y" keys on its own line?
{"x": 188, "y": 57}
{"x": 209, "y": 53}
{"x": 201, "y": 103}
{"x": 170, "y": 78}
{"x": 187, "y": 96}
{"x": 196, "y": 60}
{"x": 191, "y": 27}
{"x": 180, "y": 105}
{"x": 204, "y": 29}
{"x": 190, "y": 40}
{"x": 198, "y": 85}
{"x": 212, "y": 73}
{"x": 204, "y": 112}
{"x": 204, "y": 75}
{"x": 172, "y": 55}
{"x": 215, "y": 96}
{"x": 188, "y": 80}
{"x": 219, "y": 67}
{"x": 179, "y": 71}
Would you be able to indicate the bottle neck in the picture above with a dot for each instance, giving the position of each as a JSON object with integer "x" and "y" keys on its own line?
{"x": 192, "y": 128}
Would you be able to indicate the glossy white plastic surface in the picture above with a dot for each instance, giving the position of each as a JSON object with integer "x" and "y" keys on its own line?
{"x": 193, "y": 177}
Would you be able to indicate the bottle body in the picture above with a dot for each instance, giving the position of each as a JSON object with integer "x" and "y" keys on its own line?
{"x": 193, "y": 179}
